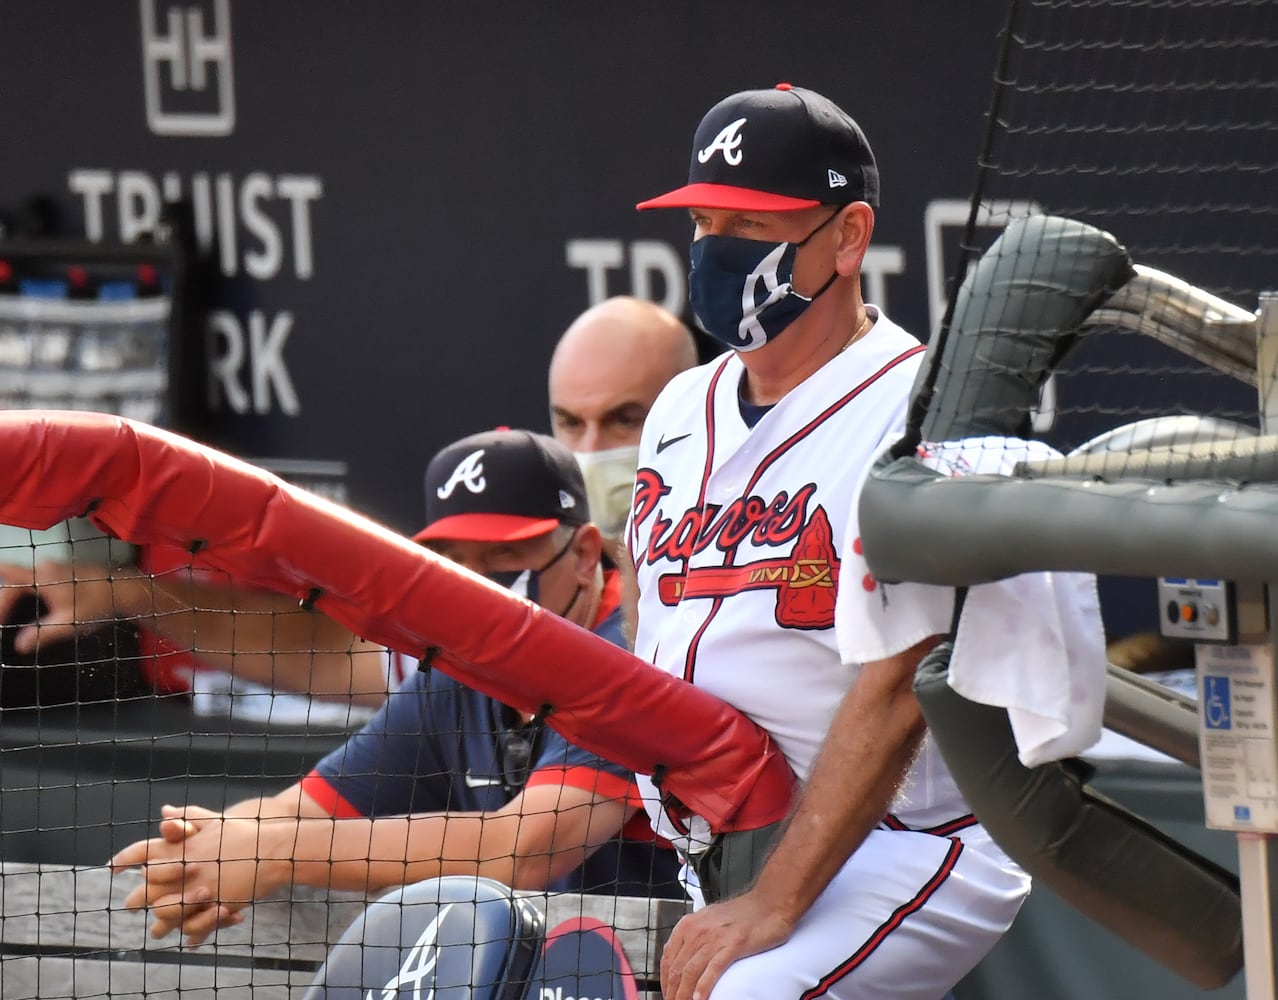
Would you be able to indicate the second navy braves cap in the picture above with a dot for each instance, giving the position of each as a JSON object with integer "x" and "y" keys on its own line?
{"x": 502, "y": 486}
{"x": 776, "y": 150}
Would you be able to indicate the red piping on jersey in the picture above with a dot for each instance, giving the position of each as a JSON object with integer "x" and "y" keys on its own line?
{"x": 708, "y": 467}
{"x": 676, "y": 812}
{"x": 691, "y": 656}
{"x": 945, "y": 829}
{"x": 825, "y": 415}
{"x": 328, "y": 798}
{"x": 588, "y": 779}
{"x": 888, "y": 926}
{"x": 611, "y": 786}
{"x": 638, "y": 828}
{"x": 608, "y": 785}
{"x": 689, "y": 663}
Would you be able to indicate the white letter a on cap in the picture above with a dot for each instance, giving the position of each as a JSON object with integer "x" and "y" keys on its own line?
{"x": 728, "y": 140}
{"x": 469, "y": 473}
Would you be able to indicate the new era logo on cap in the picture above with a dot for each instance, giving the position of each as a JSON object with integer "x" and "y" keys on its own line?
{"x": 502, "y": 486}
{"x": 776, "y": 150}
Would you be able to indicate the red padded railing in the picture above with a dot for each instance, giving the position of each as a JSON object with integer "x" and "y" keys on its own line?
{"x": 147, "y": 486}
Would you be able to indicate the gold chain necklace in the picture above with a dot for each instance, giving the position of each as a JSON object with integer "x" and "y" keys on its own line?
{"x": 862, "y": 329}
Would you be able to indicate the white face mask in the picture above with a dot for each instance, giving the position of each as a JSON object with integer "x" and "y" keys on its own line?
{"x": 610, "y": 485}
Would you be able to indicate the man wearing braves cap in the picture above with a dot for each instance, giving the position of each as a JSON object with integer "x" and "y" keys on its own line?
{"x": 443, "y": 780}
{"x": 511, "y": 505}
{"x": 880, "y": 884}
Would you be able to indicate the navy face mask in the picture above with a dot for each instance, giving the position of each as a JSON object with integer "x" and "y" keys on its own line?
{"x": 741, "y": 290}
{"x": 527, "y": 582}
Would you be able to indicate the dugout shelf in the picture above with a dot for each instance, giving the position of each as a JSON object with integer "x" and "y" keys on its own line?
{"x": 64, "y": 925}
{"x": 79, "y": 782}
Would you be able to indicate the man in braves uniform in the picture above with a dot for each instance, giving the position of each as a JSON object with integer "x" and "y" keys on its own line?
{"x": 880, "y": 884}
{"x": 443, "y": 780}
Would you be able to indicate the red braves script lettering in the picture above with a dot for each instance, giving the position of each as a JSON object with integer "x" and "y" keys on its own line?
{"x": 805, "y": 581}
{"x": 765, "y": 522}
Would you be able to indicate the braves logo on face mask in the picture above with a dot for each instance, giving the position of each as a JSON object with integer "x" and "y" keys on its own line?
{"x": 724, "y": 285}
{"x": 750, "y": 331}
{"x": 469, "y": 473}
{"x": 728, "y": 141}
{"x": 742, "y": 291}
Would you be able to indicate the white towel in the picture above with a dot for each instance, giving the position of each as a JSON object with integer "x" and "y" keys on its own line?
{"x": 1032, "y": 644}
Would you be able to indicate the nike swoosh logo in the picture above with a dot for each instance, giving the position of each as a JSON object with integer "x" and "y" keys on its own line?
{"x": 473, "y": 782}
{"x": 665, "y": 442}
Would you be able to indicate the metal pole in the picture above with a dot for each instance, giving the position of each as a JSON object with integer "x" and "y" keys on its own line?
{"x": 1258, "y": 852}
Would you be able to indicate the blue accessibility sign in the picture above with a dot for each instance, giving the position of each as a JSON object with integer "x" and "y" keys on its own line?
{"x": 1216, "y": 702}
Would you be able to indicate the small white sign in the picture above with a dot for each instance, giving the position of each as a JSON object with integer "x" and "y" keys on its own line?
{"x": 1236, "y": 737}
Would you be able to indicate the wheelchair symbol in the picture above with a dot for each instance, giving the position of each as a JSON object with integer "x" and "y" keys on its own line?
{"x": 1216, "y": 702}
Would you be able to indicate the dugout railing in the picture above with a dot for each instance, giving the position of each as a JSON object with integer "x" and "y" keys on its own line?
{"x": 1201, "y": 504}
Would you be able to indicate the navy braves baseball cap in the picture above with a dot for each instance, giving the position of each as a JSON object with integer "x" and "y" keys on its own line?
{"x": 776, "y": 150}
{"x": 502, "y": 486}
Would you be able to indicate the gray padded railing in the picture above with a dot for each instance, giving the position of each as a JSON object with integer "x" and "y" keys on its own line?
{"x": 1043, "y": 287}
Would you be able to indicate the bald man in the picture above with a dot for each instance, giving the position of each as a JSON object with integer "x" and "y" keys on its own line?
{"x": 605, "y": 373}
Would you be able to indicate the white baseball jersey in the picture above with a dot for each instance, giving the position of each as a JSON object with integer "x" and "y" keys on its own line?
{"x": 739, "y": 536}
